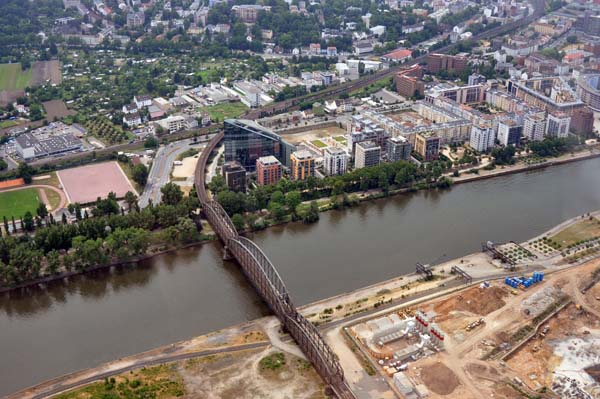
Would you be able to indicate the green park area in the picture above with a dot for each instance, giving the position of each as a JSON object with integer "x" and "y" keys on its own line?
{"x": 225, "y": 110}
{"x": 581, "y": 231}
{"x": 12, "y": 77}
{"x": 17, "y": 203}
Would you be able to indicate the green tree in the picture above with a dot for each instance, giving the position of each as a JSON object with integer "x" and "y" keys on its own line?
{"x": 140, "y": 174}
{"x": 25, "y": 171}
{"x": 151, "y": 142}
{"x": 171, "y": 194}
{"x": 28, "y": 221}
{"x": 293, "y": 199}
{"x": 130, "y": 199}
{"x": 3, "y": 164}
{"x": 238, "y": 221}
{"x": 42, "y": 211}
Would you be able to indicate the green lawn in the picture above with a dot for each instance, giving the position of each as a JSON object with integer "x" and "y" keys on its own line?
{"x": 13, "y": 78}
{"x": 582, "y": 230}
{"x": 319, "y": 144}
{"x": 8, "y": 123}
{"x": 340, "y": 139}
{"x": 16, "y": 203}
{"x": 225, "y": 110}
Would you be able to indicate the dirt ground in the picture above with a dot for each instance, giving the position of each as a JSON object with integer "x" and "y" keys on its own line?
{"x": 241, "y": 375}
{"x": 56, "y": 109}
{"x": 9, "y": 96}
{"x": 187, "y": 169}
{"x": 439, "y": 378}
{"x": 480, "y": 301}
{"x": 314, "y": 134}
{"x": 46, "y": 71}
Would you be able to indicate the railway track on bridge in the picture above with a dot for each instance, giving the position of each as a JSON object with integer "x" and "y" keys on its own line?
{"x": 256, "y": 265}
{"x": 264, "y": 277}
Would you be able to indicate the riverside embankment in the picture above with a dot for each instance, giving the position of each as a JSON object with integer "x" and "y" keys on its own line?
{"x": 479, "y": 266}
{"x": 113, "y": 313}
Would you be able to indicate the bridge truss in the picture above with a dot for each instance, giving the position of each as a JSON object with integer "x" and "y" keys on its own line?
{"x": 268, "y": 283}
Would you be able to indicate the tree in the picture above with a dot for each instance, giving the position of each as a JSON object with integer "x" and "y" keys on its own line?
{"x": 130, "y": 200}
{"x": 171, "y": 194}
{"x": 151, "y": 142}
{"x": 28, "y": 221}
{"x": 42, "y": 211}
{"x": 293, "y": 199}
{"x": 3, "y": 164}
{"x": 238, "y": 221}
{"x": 25, "y": 171}
{"x": 277, "y": 210}
{"x": 572, "y": 39}
{"x": 140, "y": 174}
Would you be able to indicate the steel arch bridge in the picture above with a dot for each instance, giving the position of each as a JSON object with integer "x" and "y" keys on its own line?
{"x": 266, "y": 280}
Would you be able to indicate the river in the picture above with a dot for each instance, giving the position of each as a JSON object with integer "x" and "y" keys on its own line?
{"x": 105, "y": 315}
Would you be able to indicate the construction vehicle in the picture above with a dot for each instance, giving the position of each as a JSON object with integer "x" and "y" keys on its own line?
{"x": 475, "y": 324}
{"x": 514, "y": 292}
{"x": 544, "y": 331}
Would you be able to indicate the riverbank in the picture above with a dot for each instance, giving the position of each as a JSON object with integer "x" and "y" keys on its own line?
{"x": 325, "y": 205}
{"x": 121, "y": 263}
{"x": 252, "y": 335}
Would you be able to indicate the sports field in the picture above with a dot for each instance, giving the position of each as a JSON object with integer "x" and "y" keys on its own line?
{"x": 16, "y": 203}
{"x": 13, "y": 78}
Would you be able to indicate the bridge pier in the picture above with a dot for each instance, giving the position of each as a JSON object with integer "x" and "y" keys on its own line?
{"x": 227, "y": 253}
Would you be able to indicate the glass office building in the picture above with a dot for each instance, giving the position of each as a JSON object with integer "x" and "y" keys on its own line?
{"x": 246, "y": 141}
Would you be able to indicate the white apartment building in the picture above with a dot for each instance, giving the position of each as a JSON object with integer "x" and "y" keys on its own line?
{"x": 557, "y": 125}
{"x": 534, "y": 126}
{"x": 335, "y": 161}
{"x": 367, "y": 154}
{"x": 482, "y": 138}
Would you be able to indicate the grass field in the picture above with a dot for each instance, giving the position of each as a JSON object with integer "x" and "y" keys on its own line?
{"x": 582, "y": 230}
{"x": 13, "y": 78}
{"x": 319, "y": 144}
{"x": 17, "y": 203}
{"x": 159, "y": 382}
{"x": 8, "y": 123}
{"x": 225, "y": 110}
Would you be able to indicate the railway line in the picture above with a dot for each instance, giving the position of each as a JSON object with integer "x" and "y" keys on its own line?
{"x": 334, "y": 91}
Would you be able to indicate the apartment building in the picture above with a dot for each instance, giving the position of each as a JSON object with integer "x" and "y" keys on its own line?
{"x": 398, "y": 149}
{"x": 268, "y": 170}
{"x": 335, "y": 161}
{"x": 534, "y": 126}
{"x": 302, "y": 165}
{"x": 482, "y": 138}
{"x": 428, "y": 146}
{"x": 367, "y": 154}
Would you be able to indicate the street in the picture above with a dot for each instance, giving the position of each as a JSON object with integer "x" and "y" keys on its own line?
{"x": 162, "y": 164}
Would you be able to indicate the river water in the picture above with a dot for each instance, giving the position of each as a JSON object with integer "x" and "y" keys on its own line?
{"x": 102, "y": 316}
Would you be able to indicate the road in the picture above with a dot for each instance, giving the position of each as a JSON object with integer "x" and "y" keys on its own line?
{"x": 161, "y": 169}
{"x": 55, "y": 389}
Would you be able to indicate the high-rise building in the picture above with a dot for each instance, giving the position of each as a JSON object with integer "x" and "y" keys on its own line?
{"x": 534, "y": 126}
{"x": 246, "y": 141}
{"x": 428, "y": 146}
{"x": 476, "y": 79}
{"x": 235, "y": 176}
{"x": 557, "y": 125}
{"x": 268, "y": 170}
{"x": 582, "y": 121}
{"x": 302, "y": 165}
{"x": 335, "y": 161}
{"x": 367, "y": 154}
{"x": 509, "y": 132}
{"x": 398, "y": 149}
{"x": 482, "y": 138}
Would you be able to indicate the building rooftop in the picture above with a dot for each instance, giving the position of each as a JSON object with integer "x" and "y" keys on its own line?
{"x": 268, "y": 160}
{"x": 367, "y": 145}
{"x": 302, "y": 154}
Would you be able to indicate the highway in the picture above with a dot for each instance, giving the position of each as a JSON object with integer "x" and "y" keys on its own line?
{"x": 160, "y": 171}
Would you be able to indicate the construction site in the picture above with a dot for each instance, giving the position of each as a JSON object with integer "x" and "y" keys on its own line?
{"x": 534, "y": 333}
